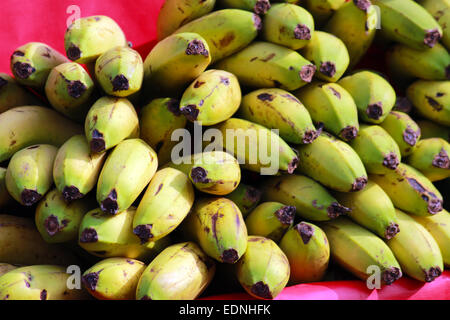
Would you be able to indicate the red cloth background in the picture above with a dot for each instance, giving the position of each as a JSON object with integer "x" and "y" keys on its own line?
{"x": 22, "y": 21}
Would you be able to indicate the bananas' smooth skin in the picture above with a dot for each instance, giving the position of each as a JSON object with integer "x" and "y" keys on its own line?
{"x": 12, "y": 94}
{"x": 127, "y": 171}
{"x": 5, "y": 197}
{"x": 278, "y": 109}
{"x": 416, "y": 250}
{"x": 440, "y": 10}
{"x": 89, "y": 37}
{"x": 76, "y": 170}
{"x": 308, "y": 251}
{"x": 22, "y": 127}
{"x": 166, "y": 202}
{"x": 317, "y": 204}
{"x": 356, "y": 249}
{"x": 180, "y": 272}
{"x": 322, "y": 10}
{"x": 268, "y": 65}
{"x": 333, "y": 106}
{"x": 257, "y": 6}
{"x": 410, "y": 190}
{"x": 246, "y": 197}
{"x": 110, "y": 121}
{"x": 30, "y": 173}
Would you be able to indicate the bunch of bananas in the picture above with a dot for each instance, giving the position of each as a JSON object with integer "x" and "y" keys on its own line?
{"x": 361, "y": 168}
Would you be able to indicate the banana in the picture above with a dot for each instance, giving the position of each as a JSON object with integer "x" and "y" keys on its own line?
{"x": 263, "y": 271}
{"x": 29, "y": 173}
{"x": 439, "y": 227}
{"x": 288, "y": 25}
{"x": 38, "y": 282}
{"x": 31, "y": 64}
{"x": 166, "y": 202}
{"x": 58, "y": 221}
{"x": 6, "y": 267}
{"x": 431, "y": 157}
{"x": 246, "y": 197}
{"x": 19, "y": 235}
{"x": 267, "y": 65}
{"x": 127, "y": 171}
{"x": 373, "y": 95}
{"x": 5, "y": 197}
{"x": 416, "y": 250}
{"x": 157, "y": 121}
{"x": 430, "y": 129}
{"x": 377, "y": 149}
{"x": 257, "y": 148}
{"x": 120, "y": 71}
{"x": 70, "y": 90}
{"x": 257, "y": 6}
{"x": 226, "y": 31}
{"x": 113, "y": 279}
{"x": 403, "y": 104}
{"x": 356, "y": 249}
{"x": 311, "y": 200}
{"x": 431, "y": 100}
{"x": 362, "y": 18}
{"x": 331, "y": 64}
{"x": 440, "y": 10}
{"x": 332, "y": 163}
{"x": 76, "y": 170}
{"x": 322, "y": 10}
{"x": 217, "y": 225}
{"x": 175, "y": 62}
{"x": 410, "y": 190}
{"x": 12, "y": 94}
{"x": 270, "y": 220}
{"x": 403, "y": 129}
{"x": 331, "y": 105}
{"x": 181, "y": 272}
{"x": 110, "y": 121}
{"x": 176, "y": 13}
{"x": 308, "y": 251}
{"x": 212, "y": 98}
{"x": 22, "y": 127}
{"x": 89, "y": 37}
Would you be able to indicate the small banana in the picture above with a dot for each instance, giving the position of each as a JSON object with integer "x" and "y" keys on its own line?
{"x": 440, "y": 10}
{"x": 12, "y": 94}
{"x": 246, "y": 197}
{"x": 257, "y": 6}
{"x": 322, "y": 10}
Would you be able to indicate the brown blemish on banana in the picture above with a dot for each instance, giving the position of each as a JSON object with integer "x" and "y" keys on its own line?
{"x": 410, "y": 136}
{"x": 305, "y": 231}
{"x": 23, "y": 70}
{"x": 190, "y": 112}
{"x": 328, "y": 68}
{"x": 302, "y": 32}
{"x": 90, "y": 280}
{"x": 30, "y": 197}
{"x": 391, "y": 230}
{"x": 159, "y": 189}
{"x": 110, "y": 205}
{"x": 291, "y": 97}
{"x": 375, "y": 110}
{"x": 364, "y": 5}
{"x": 260, "y": 289}
{"x": 144, "y": 232}
{"x": 390, "y": 275}
{"x": 335, "y": 92}
{"x": 229, "y": 256}
{"x": 225, "y": 81}
{"x": 317, "y": 206}
{"x": 292, "y": 165}
{"x": 432, "y": 273}
{"x": 261, "y": 6}
{"x": 269, "y": 57}
{"x": 76, "y": 89}
{"x": 199, "y": 175}
{"x": 47, "y": 52}
{"x": 198, "y": 84}
{"x": 43, "y": 295}
{"x": 359, "y": 184}
{"x": 227, "y": 39}
{"x": 71, "y": 193}
{"x": 98, "y": 143}
{"x": 307, "y": 72}
{"x": 51, "y": 225}
{"x": 73, "y": 52}
{"x": 265, "y": 97}
{"x": 257, "y": 22}
{"x": 18, "y": 53}
{"x": 441, "y": 160}
{"x": 434, "y": 104}
{"x": 286, "y": 215}
{"x": 173, "y": 105}
{"x": 88, "y": 235}
{"x": 434, "y": 204}
{"x": 391, "y": 161}
{"x": 349, "y": 133}
{"x": 335, "y": 210}
{"x": 120, "y": 83}
{"x": 197, "y": 47}
{"x": 432, "y": 37}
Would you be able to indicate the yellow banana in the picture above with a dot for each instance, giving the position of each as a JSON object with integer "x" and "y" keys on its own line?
{"x": 246, "y": 197}
{"x": 257, "y": 6}
{"x": 440, "y": 10}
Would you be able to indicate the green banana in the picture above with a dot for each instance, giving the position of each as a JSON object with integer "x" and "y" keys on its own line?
{"x": 180, "y": 272}
{"x": 410, "y": 190}
{"x": 308, "y": 251}
{"x": 431, "y": 157}
{"x": 31, "y": 64}
{"x": 120, "y": 71}
{"x": 157, "y": 121}
{"x": 29, "y": 173}
{"x": 440, "y": 10}
{"x": 356, "y": 249}
{"x": 127, "y": 171}
{"x": 270, "y": 220}
{"x": 263, "y": 271}
{"x": 76, "y": 170}
{"x": 5, "y": 197}
{"x": 252, "y": 145}
{"x": 89, "y": 37}
{"x": 373, "y": 95}
{"x": 22, "y": 127}
{"x": 257, "y": 6}
{"x": 166, "y": 202}
{"x": 246, "y": 197}
{"x": 175, "y": 62}
{"x": 416, "y": 250}
{"x": 333, "y": 163}
{"x": 38, "y": 282}
{"x": 403, "y": 129}
{"x": 113, "y": 278}
{"x": 6, "y": 267}
{"x": 226, "y": 31}
{"x": 322, "y": 10}
{"x": 407, "y": 22}
{"x": 110, "y": 121}
{"x": 288, "y": 25}
{"x": 176, "y": 13}
{"x": 430, "y": 129}
{"x": 331, "y": 105}
{"x": 212, "y": 98}
{"x": 431, "y": 100}
{"x": 377, "y": 149}
{"x": 278, "y": 109}
{"x": 362, "y": 18}
{"x": 331, "y": 64}
{"x": 267, "y": 65}
{"x": 12, "y": 94}
{"x": 315, "y": 204}
{"x": 217, "y": 225}
{"x": 439, "y": 227}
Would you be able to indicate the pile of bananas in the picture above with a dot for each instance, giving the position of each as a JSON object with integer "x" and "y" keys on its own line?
{"x": 359, "y": 168}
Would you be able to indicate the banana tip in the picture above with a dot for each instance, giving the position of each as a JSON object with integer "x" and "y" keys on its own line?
{"x": 262, "y": 290}
{"x": 30, "y": 197}
{"x": 432, "y": 273}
